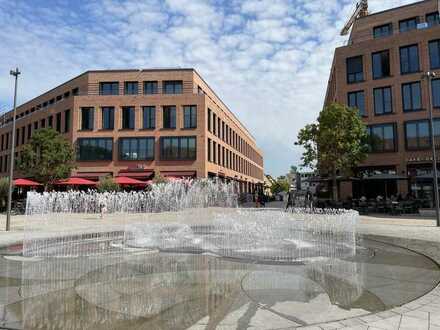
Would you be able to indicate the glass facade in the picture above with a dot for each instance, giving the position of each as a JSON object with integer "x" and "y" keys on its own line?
{"x": 94, "y": 149}
{"x": 178, "y": 148}
{"x": 136, "y": 148}
{"x": 149, "y": 117}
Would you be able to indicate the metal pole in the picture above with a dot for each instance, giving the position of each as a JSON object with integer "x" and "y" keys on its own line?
{"x": 431, "y": 75}
{"x": 12, "y": 160}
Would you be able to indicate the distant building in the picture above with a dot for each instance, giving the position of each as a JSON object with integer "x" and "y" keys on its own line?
{"x": 269, "y": 181}
{"x": 305, "y": 181}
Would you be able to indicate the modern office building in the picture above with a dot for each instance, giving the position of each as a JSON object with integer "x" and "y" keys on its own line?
{"x": 134, "y": 123}
{"x": 381, "y": 73}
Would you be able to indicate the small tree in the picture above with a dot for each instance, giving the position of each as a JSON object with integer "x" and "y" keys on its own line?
{"x": 47, "y": 157}
{"x": 4, "y": 190}
{"x": 336, "y": 144}
{"x": 158, "y": 178}
{"x": 107, "y": 184}
{"x": 281, "y": 184}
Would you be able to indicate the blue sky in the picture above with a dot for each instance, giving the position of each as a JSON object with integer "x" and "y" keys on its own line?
{"x": 269, "y": 60}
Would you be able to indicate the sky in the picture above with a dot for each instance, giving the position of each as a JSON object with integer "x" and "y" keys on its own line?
{"x": 268, "y": 60}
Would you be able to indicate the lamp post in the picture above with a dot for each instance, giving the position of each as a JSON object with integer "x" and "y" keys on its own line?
{"x": 12, "y": 160}
{"x": 430, "y": 75}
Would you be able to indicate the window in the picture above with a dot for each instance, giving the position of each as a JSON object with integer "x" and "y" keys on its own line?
{"x": 411, "y": 97}
{"x": 75, "y": 91}
{"x": 357, "y": 100}
{"x": 417, "y": 135}
{"x": 149, "y": 117}
{"x": 355, "y": 69}
{"x": 409, "y": 59}
{"x": 436, "y": 93}
{"x": 127, "y": 117}
{"x": 214, "y": 121}
{"x": 58, "y": 122}
{"x": 432, "y": 19}
{"x": 87, "y": 118}
{"x": 94, "y": 149}
{"x": 214, "y": 153}
{"x": 383, "y": 30}
{"x": 178, "y": 148}
{"x": 381, "y": 64}
{"x": 172, "y": 87}
{"x": 383, "y": 101}
{"x": 209, "y": 150}
{"x": 136, "y": 148}
{"x": 382, "y": 138}
{"x": 150, "y": 87}
{"x": 190, "y": 116}
{"x": 434, "y": 54}
{"x": 209, "y": 120}
{"x": 29, "y": 131}
{"x": 108, "y": 117}
{"x": 109, "y": 88}
{"x": 35, "y": 125}
{"x": 50, "y": 121}
{"x": 408, "y": 24}
{"x": 169, "y": 116}
{"x": 66, "y": 121}
{"x": 131, "y": 87}
{"x": 43, "y": 123}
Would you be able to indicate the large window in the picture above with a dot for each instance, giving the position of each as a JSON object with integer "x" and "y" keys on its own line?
{"x": 383, "y": 103}
{"x": 382, "y": 138}
{"x": 209, "y": 120}
{"x": 355, "y": 69}
{"x": 127, "y": 117}
{"x": 86, "y": 118}
{"x": 381, "y": 64}
{"x": 434, "y": 54}
{"x": 357, "y": 100}
{"x": 66, "y": 121}
{"x": 169, "y": 116}
{"x": 190, "y": 116}
{"x": 436, "y": 93}
{"x": 172, "y": 87}
{"x": 409, "y": 59}
{"x": 383, "y": 30}
{"x": 432, "y": 19}
{"x": 95, "y": 149}
{"x": 131, "y": 87}
{"x": 108, "y": 117}
{"x": 58, "y": 122}
{"x": 411, "y": 96}
{"x": 417, "y": 135}
{"x": 136, "y": 148}
{"x": 109, "y": 88}
{"x": 150, "y": 87}
{"x": 408, "y": 24}
{"x": 178, "y": 148}
{"x": 149, "y": 117}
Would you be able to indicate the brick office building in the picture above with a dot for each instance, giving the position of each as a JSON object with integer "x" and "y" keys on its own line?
{"x": 380, "y": 72}
{"x": 135, "y": 122}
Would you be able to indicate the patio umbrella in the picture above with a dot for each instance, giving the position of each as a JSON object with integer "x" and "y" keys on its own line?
{"x": 25, "y": 183}
{"x": 76, "y": 182}
{"x": 126, "y": 181}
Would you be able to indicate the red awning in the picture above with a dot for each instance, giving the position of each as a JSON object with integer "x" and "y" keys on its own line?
{"x": 25, "y": 183}
{"x": 128, "y": 174}
{"x": 179, "y": 174}
{"x": 76, "y": 182}
{"x": 123, "y": 180}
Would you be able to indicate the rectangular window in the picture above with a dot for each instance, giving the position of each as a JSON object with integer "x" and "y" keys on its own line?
{"x": 214, "y": 154}
{"x": 35, "y": 125}
{"x": 209, "y": 150}
{"x": 136, "y": 148}
{"x": 29, "y": 131}
{"x": 149, "y": 117}
{"x": 131, "y": 87}
{"x": 432, "y": 19}
{"x": 357, "y": 100}
{"x": 94, "y": 149}
{"x": 436, "y": 93}
{"x": 108, "y": 118}
{"x": 109, "y": 88}
{"x": 408, "y": 24}
{"x": 87, "y": 117}
{"x": 434, "y": 54}
{"x": 214, "y": 122}
{"x": 178, "y": 148}
{"x": 150, "y": 87}
{"x": 58, "y": 122}
{"x": 383, "y": 30}
{"x": 411, "y": 97}
{"x": 66, "y": 121}
{"x": 209, "y": 120}
{"x": 172, "y": 87}
{"x": 355, "y": 69}
{"x": 128, "y": 117}
{"x": 43, "y": 123}
{"x": 190, "y": 116}
{"x": 417, "y": 135}
{"x": 50, "y": 121}
{"x": 383, "y": 103}
{"x": 409, "y": 59}
{"x": 169, "y": 116}
{"x": 381, "y": 64}
{"x": 382, "y": 138}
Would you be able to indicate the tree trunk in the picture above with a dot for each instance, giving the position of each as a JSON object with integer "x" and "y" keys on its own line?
{"x": 335, "y": 186}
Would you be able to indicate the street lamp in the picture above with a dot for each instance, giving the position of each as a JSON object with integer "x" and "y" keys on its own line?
{"x": 430, "y": 75}
{"x": 12, "y": 160}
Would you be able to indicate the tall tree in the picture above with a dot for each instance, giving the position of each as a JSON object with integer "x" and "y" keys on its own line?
{"x": 335, "y": 144}
{"x": 47, "y": 157}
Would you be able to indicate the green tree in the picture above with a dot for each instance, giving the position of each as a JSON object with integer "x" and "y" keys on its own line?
{"x": 4, "y": 189}
{"x": 335, "y": 144}
{"x": 47, "y": 157}
{"x": 158, "y": 178}
{"x": 107, "y": 184}
{"x": 281, "y": 184}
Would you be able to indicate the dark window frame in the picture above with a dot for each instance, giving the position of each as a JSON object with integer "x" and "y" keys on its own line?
{"x": 128, "y": 123}
{"x": 395, "y": 137}
{"x": 379, "y": 31}
{"x": 109, "y": 88}
{"x": 425, "y": 121}
{"x": 90, "y": 119}
{"x": 179, "y": 156}
{"x": 149, "y": 117}
{"x": 405, "y": 21}
{"x": 411, "y": 85}
{"x": 435, "y": 96}
{"x": 108, "y": 117}
{"x": 362, "y": 112}
{"x": 151, "y": 87}
{"x": 383, "y": 98}
{"x": 149, "y": 140}
{"x": 434, "y": 46}
{"x": 106, "y": 157}
{"x": 435, "y": 21}
{"x": 172, "y": 87}
{"x": 383, "y": 73}
{"x": 131, "y": 87}
{"x": 407, "y": 49}
{"x": 190, "y": 116}
{"x": 169, "y": 117}
{"x": 354, "y": 77}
